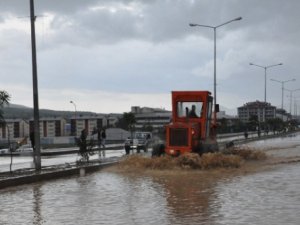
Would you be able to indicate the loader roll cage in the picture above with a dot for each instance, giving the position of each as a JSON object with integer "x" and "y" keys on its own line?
{"x": 189, "y": 109}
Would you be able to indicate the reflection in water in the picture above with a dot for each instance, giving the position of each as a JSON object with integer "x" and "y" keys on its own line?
{"x": 186, "y": 199}
{"x": 270, "y": 197}
{"x": 37, "y": 203}
{"x": 189, "y": 196}
{"x": 214, "y": 197}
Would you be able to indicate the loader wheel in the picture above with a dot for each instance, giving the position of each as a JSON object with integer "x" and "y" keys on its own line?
{"x": 229, "y": 144}
{"x": 198, "y": 149}
{"x": 211, "y": 148}
{"x": 206, "y": 148}
{"x": 158, "y": 150}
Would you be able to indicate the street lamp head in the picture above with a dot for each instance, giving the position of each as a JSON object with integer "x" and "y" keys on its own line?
{"x": 71, "y": 101}
{"x": 251, "y": 64}
{"x": 192, "y": 24}
{"x": 239, "y": 18}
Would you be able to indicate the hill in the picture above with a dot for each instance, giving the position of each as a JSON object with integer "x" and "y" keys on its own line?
{"x": 14, "y": 111}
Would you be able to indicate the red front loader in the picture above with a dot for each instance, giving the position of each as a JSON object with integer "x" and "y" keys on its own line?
{"x": 192, "y": 128}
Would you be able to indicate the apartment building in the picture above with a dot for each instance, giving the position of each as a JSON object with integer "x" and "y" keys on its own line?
{"x": 90, "y": 123}
{"x": 50, "y": 127}
{"x": 263, "y": 111}
{"x": 14, "y": 129}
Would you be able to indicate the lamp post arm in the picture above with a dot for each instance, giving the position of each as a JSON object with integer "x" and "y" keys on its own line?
{"x": 252, "y": 64}
{"x": 238, "y": 18}
{"x": 214, "y": 27}
{"x": 200, "y": 25}
{"x": 284, "y": 81}
{"x": 278, "y": 64}
{"x": 277, "y": 81}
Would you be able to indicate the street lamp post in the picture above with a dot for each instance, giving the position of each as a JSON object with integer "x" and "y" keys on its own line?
{"x": 291, "y": 96}
{"x": 296, "y": 106}
{"x": 75, "y": 114}
{"x": 74, "y": 107}
{"x": 265, "y": 67}
{"x": 215, "y": 56}
{"x": 282, "y": 87}
{"x": 36, "y": 147}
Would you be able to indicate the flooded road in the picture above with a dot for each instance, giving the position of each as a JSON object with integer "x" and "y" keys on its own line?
{"x": 21, "y": 162}
{"x": 270, "y": 196}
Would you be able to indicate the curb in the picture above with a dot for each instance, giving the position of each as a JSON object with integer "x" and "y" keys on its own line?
{"x": 51, "y": 175}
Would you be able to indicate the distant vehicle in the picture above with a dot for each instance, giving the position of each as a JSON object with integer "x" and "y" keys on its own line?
{"x": 25, "y": 150}
{"x": 139, "y": 141}
{"x": 4, "y": 151}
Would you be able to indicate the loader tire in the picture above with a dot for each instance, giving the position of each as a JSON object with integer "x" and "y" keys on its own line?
{"x": 158, "y": 150}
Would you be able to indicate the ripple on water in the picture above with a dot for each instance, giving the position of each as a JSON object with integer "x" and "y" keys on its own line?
{"x": 270, "y": 197}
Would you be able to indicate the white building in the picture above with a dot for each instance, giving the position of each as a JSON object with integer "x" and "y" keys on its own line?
{"x": 92, "y": 123}
{"x": 263, "y": 111}
{"x": 282, "y": 114}
{"x": 156, "y": 118}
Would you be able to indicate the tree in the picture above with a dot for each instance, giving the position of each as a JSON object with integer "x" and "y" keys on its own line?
{"x": 85, "y": 146}
{"x": 223, "y": 125}
{"x": 240, "y": 126}
{"x": 275, "y": 124}
{"x": 4, "y": 100}
{"x": 148, "y": 127}
{"x": 253, "y": 122}
{"x": 127, "y": 121}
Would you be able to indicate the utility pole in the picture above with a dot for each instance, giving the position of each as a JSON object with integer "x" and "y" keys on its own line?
{"x": 37, "y": 150}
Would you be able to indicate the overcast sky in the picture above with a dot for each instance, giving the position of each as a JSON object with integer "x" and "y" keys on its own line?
{"x": 109, "y": 55}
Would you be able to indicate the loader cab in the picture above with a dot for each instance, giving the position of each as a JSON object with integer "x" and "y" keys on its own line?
{"x": 194, "y": 108}
{"x": 186, "y": 109}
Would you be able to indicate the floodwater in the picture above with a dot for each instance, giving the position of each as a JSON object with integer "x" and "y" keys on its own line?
{"x": 269, "y": 196}
{"x": 21, "y": 162}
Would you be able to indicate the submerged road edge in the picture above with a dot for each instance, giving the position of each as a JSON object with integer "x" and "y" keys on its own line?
{"x": 51, "y": 175}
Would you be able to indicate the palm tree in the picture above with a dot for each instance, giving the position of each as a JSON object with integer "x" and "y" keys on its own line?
{"x": 4, "y": 100}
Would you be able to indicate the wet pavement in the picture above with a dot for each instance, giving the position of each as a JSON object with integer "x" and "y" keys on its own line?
{"x": 114, "y": 197}
{"x": 21, "y": 162}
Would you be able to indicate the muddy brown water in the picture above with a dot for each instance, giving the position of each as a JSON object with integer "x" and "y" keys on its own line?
{"x": 258, "y": 193}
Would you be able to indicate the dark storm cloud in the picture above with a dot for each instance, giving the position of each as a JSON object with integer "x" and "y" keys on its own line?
{"x": 115, "y": 42}
{"x": 162, "y": 20}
